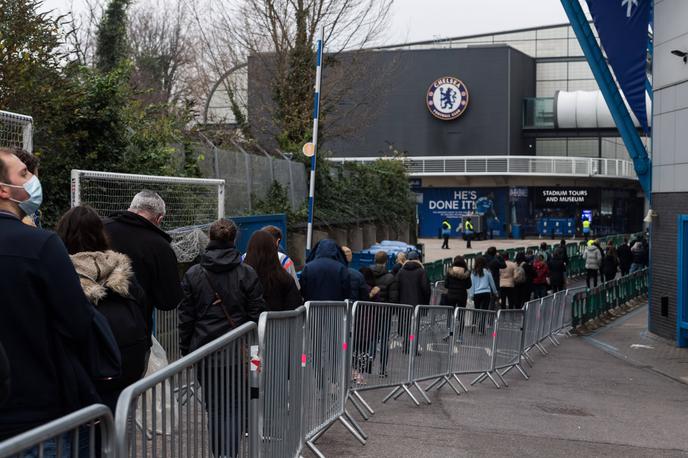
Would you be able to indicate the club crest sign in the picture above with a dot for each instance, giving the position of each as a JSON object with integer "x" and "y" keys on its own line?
{"x": 447, "y": 98}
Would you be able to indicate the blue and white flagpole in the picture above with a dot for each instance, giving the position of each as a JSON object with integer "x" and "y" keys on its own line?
{"x": 314, "y": 144}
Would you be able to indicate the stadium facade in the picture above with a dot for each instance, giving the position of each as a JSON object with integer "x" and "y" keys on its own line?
{"x": 491, "y": 124}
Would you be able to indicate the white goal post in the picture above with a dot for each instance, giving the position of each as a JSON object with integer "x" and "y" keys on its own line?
{"x": 189, "y": 201}
{"x": 16, "y": 130}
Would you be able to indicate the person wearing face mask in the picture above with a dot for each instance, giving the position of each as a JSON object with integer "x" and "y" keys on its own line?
{"x": 45, "y": 318}
{"x": 137, "y": 234}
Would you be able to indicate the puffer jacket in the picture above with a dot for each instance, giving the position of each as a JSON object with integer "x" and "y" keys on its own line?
{"x": 457, "y": 281}
{"x": 593, "y": 257}
{"x": 414, "y": 287}
{"x": 109, "y": 284}
{"x": 387, "y": 282}
{"x": 506, "y": 275}
{"x": 201, "y": 318}
{"x": 557, "y": 270}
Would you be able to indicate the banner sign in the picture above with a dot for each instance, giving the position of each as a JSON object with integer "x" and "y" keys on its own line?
{"x": 566, "y": 197}
{"x": 453, "y": 203}
{"x": 623, "y": 29}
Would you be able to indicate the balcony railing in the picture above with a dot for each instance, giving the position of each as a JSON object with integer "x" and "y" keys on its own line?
{"x": 510, "y": 165}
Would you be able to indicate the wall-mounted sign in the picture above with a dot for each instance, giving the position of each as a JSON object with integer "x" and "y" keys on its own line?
{"x": 447, "y": 98}
{"x": 566, "y": 197}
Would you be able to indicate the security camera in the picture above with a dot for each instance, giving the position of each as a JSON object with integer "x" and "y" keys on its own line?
{"x": 681, "y": 54}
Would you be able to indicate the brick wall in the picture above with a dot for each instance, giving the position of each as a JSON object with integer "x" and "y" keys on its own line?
{"x": 664, "y": 260}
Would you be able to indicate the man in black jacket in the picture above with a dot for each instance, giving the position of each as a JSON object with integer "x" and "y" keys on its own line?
{"x": 137, "y": 234}
{"x": 220, "y": 294}
{"x": 45, "y": 317}
{"x": 389, "y": 288}
{"x": 625, "y": 257}
{"x": 495, "y": 262}
{"x": 4, "y": 376}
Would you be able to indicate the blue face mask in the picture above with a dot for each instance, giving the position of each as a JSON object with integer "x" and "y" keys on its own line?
{"x": 35, "y": 190}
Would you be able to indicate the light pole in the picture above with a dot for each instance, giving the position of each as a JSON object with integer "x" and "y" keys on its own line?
{"x": 311, "y": 149}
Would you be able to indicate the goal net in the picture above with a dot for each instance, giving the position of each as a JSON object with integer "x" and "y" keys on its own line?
{"x": 190, "y": 203}
{"x": 16, "y": 130}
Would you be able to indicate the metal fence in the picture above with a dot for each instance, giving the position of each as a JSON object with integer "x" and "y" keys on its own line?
{"x": 328, "y": 370}
{"x": 86, "y": 433}
{"x": 200, "y": 405}
{"x": 280, "y": 343}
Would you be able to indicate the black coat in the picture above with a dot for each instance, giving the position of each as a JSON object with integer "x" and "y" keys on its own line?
{"x": 152, "y": 257}
{"x": 359, "y": 287}
{"x": 557, "y": 271}
{"x": 414, "y": 287}
{"x": 4, "y": 376}
{"x": 326, "y": 275}
{"x": 609, "y": 265}
{"x": 201, "y": 321}
{"x": 625, "y": 256}
{"x": 45, "y": 320}
{"x": 283, "y": 296}
{"x": 457, "y": 281}
{"x": 495, "y": 263}
{"x": 108, "y": 282}
{"x": 387, "y": 282}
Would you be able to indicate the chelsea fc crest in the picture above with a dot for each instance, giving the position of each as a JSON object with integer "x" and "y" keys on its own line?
{"x": 447, "y": 98}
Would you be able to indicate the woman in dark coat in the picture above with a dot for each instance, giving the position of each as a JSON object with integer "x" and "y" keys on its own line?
{"x": 456, "y": 282}
{"x": 279, "y": 288}
{"x": 610, "y": 264}
{"x": 108, "y": 281}
{"x": 557, "y": 270}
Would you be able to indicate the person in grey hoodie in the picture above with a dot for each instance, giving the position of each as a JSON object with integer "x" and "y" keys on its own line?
{"x": 593, "y": 260}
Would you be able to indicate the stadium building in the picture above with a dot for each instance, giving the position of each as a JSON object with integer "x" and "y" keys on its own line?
{"x": 510, "y": 125}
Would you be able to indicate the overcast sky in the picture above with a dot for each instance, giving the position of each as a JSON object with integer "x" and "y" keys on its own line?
{"x": 415, "y": 20}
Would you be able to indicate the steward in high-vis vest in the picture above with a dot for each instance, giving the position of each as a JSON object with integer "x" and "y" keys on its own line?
{"x": 586, "y": 229}
{"x": 468, "y": 232}
{"x": 446, "y": 231}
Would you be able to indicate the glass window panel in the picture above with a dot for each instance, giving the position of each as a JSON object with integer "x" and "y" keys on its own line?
{"x": 548, "y": 71}
{"x": 552, "y": 48}
{"x": 575, "y": 49}
{"x": 583, "y": 85}
{"x": 548, "y": 88}
{"x": 580, "y": 71}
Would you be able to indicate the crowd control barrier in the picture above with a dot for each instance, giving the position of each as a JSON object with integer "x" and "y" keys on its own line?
{"x": 328, "y": 370}
{"x": 273, "y": 389}
{"x": 281, "y": 377}
{"x": 201, "y": 405}
{"x": 86, "y": 433}
{"x": 381, "y": 338}
{"x": 166, "y": 324}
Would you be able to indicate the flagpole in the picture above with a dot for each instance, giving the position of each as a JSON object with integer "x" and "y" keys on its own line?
{"x": 314, "y": 143}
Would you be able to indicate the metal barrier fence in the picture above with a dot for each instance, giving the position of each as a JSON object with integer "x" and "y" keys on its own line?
{"x": 280, "y": 350}
{"x": 507, "y": 349}
{"x": 86, "y": 433}
{"x": 328, "y": 370}
{"x": 381, "y": 337}
{"x": 433, "y": 330}
{"x": 472, "y": 343}
{"x": 438, "y": 290}
{"x": 167, "y": 332}
{"x": 201, "y": 405}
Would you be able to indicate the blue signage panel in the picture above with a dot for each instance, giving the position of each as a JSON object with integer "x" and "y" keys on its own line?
{"x": 453, "y": 203}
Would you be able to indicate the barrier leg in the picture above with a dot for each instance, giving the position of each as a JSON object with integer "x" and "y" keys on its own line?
{"x": 352, "y": 430}
{"x": 359, "y": 408}
{"x": 502, "y": 379}
{"x": 439, "y": 381}
{"x": 422, "y": 393}
{"x": 392, "y": 393}
{"x": 451, "y": 385}
{"x": 413, "y": 398}
{"x": 527, "y": 359}
{"x": 355, "y": 424}
{"x": 479, "y": 379}
{"x": 314, "y": 449}
{"x": 493, "y": 380}
{"x": 363, "y": 401}
{"x": 522, "y": 371}
{"x": 463, "y": 387}
{"x": 553, "y": 339}
{"x": 541, "y": 348}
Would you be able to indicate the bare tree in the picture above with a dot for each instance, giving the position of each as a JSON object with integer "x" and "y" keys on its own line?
{"x": 277, "y": 36}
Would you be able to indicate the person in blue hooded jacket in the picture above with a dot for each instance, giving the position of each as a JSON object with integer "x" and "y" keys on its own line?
{"x": 326, "y": 275}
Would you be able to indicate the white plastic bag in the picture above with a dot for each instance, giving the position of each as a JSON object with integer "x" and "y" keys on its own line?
{"x": 156, "y": 362}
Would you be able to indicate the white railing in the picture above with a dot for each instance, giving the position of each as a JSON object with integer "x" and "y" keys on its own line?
{"x": 420, "y": 166}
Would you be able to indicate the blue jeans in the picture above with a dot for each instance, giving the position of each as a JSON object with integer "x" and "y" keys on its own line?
{"x": 636, "y": 267}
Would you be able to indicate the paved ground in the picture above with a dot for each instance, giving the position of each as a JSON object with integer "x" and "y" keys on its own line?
{"x": 434, "y": 251}
{"x": 581, "y": 400}
{"x": 627, "y": 338}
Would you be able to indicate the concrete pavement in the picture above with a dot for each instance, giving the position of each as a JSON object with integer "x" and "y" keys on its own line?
{"x": 580, "y": 400}
{"x": 434, "y": 251}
